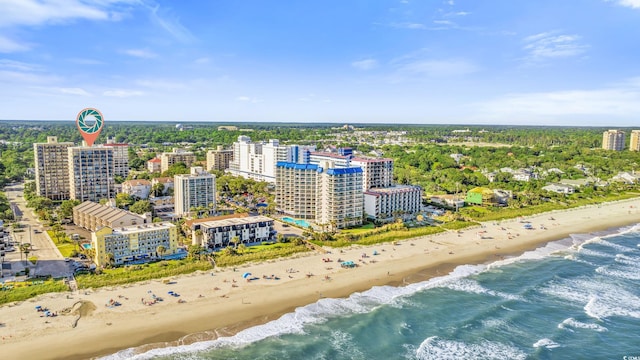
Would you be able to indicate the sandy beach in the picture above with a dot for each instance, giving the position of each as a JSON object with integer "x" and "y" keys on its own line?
{"x": 222, "y": 302}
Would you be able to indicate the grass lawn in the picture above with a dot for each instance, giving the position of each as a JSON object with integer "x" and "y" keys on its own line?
{"x": 30, "y": 289}
{"x": 65, "y": 247}
{"x": 359, "y": 230}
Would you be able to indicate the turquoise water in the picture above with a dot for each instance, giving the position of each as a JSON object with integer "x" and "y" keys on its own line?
{"x": 87, "y": 246}
{"x": 301, "y": 223}
{"x": 577, "y": 298}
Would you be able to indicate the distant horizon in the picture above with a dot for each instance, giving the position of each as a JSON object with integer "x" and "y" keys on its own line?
{"x": 542, "y": 63}
{"x": 250, "y": 122}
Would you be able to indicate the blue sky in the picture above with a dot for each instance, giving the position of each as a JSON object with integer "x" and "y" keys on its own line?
{"x": 544, "y": 62}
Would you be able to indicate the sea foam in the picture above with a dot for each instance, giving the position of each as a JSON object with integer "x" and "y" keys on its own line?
{"x": 437, "y": 348}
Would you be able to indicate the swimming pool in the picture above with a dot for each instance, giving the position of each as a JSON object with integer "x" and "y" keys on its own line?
{"x": 86, "y": 246}
{"x": 298, "y": 222}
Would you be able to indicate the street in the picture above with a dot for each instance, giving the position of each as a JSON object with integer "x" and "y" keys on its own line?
{"x": 50, "y": 261}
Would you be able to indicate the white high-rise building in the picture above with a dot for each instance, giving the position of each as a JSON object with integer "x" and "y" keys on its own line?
{"x": 376, "y": 172}
{"x": 258, "y": 160}
{"x": 331, "y": 196}
{"x": 195, "y": 190}
{"x": 395, "y": 201}
{"x": 91, "y": 173}
{"x": 613, "y": 140}
{"x": 52, "y": 168}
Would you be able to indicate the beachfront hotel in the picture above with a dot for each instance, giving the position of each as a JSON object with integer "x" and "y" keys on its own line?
{"x": 131, "y": 243}
{"x": 219, "y": 159}
{"x": 52, "y": 168}
{"x": 613, "y": 140}
{"x": 91, "y": 173}
{"x": 634, "y": 142}
{"x": 195, "y": 190}
{"x": 213, "y": 234}
{"x": 329, "y": 195}
{"x": 257, "y": 160}
{"x": 386, "y": 203}
{"x": 176, "y": 156}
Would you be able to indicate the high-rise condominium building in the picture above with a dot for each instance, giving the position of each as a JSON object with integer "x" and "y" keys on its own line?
{"x": 258, "y": 160}
{"x": 219, "y": 159}
{"x": 634, "y": 143}
{"x": 120, "y": 158}
{"x": 389, "y": 202}
{"x": 331, "y": 196}
{"x": 91, "y": 173}
{"x": 176, "y": 156}
{"x": 613, "y": 140}
{"x": 52, "y": 168}
{"x": 376, "y": 172}
{"x": 195, "y": 190}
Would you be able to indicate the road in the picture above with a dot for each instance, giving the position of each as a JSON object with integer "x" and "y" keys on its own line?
{"x": 50, "y": 261}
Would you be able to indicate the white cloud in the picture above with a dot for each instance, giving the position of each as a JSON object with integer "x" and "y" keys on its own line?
{"x": 74, "y": 91}
{"x": 38, "y": 12}
{"x": 618, "y": 100}
{"x": 248, "y": 99}
{"x": 408, "y": 25}
{"x": 366, "y": 64}
{"x": 202, "y": 60}
{"x": 161, "y": 84}
{"x": 122, "y": 93}
{"x": 9, "y": 46}
{"x": 437, "y": 68}
{"x": 635, "y": 4}
{"x": 549, "y": 45}
{"x": 18, "y": 65}
{"x": 140, "y": 53}
{"x": 171, "y": 25}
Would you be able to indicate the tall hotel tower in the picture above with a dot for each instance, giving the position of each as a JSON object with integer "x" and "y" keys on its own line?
{"x": 195, "y": 190}
{"x": 634, "y": 143}
{"x": 52, "y": 168}
{"x": 613, "y": 140}
{"x": 91, "y": 173}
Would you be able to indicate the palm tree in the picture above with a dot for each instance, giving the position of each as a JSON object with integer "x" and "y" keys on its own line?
{"x": 25, "y": 249}
{"x": 161, "y": 249}
{"x": 235, "y": 240}
{"x": 241, "y": 248}
{"x": 111, "y": 259}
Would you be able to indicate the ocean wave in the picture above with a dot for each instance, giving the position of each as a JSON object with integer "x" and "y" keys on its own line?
{"x": 575, "y": 324}
{"x": 632, "y": 274}
{"x": 344, "y": 345}
{"x": 615, "y": 246}
{"x": 599, "y": 299}
{"x": 471, "y": 286}
{"x": 437, "y": 348}
{"x": 546, "y": 343}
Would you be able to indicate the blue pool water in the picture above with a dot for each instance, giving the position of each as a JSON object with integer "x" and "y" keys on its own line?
{"x": 302, "y": 223}
{"x": 86, "y": 246}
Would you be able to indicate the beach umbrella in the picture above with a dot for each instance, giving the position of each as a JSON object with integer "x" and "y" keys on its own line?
{"x": 38, "y": 307}
{"x": 246, "y": 275}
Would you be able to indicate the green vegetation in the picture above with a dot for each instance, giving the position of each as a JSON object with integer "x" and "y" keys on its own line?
{"x": 25, "y": 290}
{"x": 257, "y": 253}
{"x": 62, "y": 242}
{"x": 143, "y": 272}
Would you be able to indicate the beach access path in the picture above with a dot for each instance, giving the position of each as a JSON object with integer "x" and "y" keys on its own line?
{"x": 225, "y": 301}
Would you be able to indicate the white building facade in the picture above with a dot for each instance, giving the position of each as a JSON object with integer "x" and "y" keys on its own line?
{"x": 195, "y": 190}
{"x": 395, "y": 201}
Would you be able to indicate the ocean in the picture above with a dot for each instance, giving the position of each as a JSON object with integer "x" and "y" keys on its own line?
{"x": 575, "y": 298}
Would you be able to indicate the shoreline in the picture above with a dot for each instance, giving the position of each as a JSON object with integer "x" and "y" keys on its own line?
{"x": 237, "y": 305}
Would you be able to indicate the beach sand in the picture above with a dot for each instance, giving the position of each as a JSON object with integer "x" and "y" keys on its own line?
{"x": 221, "y": 302}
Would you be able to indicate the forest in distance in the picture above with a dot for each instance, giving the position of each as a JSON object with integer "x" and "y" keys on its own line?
{"x": 442, "y": 159}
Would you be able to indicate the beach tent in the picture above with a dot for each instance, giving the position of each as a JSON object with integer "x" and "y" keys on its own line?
{"x": 246, "y": 275}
